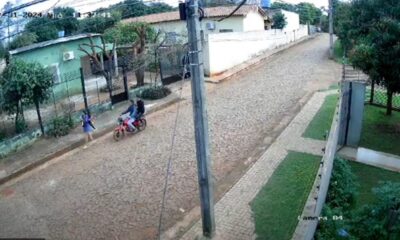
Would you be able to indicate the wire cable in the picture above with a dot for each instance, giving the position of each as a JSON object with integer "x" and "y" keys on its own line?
{"x": 169, "y": 164}
{"x": 233, "y": 12}
{"x": 97, "y": 11}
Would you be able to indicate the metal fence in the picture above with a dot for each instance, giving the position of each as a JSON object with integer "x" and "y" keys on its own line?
{"x": 377, "y": 95}
{"x": 172, "y": 61}
{"x": 66, "y": 97}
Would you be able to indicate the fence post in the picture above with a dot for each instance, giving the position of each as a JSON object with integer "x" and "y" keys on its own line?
{"x": 69, "y": 98}
{"x": 84, "y": 90}
{"x": 98, "y": 91}
{"x": 54, "y": 102}
{"x": 371, "y": 97}
{"x": 161, "y": 72}
{"x": 125, "y": 78}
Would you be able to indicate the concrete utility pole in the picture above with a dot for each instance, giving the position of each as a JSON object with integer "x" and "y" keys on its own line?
{"x": 331, "y": 28}
{"x": 200, "y": 118}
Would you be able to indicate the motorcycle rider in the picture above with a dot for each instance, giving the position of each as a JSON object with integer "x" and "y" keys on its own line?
{"x": 132, "y": 110}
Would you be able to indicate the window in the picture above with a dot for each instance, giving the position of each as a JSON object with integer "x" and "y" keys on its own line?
{"x": 171, "y": 37}
{"x": 225, "y": 30}
{"x": 55, "y": 71}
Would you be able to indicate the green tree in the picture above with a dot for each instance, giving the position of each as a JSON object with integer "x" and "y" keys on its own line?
{"x": 380, "y": 220}
{"x": 24, "y": 83}
{"x": 308, "y": 13}
{"x": 44, "y": 28}
{"x": 47, "y": 28}
{"x": 342, "y": 23}
{"x": 14, "y": 88}
{"x": 374, "y": 30}
{"x": 137, "y": 8}
{"x": 99, "y": 23}
{"x": 23, "y": 40}
{"x": 285, "y": 6}
{"x": 136, "y": 34}
{"x": 279, "y": 21}
{"x": 66, "y": 20}
{"x": 159, "y": 8}
{"x": 40, "y": 82}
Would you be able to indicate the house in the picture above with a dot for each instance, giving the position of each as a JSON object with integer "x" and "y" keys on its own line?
{"x": 292, "y": 19}
{"x": 247, "y": 18}
{"x": 64, "y": 58}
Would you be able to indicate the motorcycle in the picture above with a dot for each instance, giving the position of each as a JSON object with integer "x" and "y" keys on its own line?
{"x": 123, "y": 127}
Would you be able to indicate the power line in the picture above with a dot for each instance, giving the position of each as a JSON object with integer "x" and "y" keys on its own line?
{"x": 169, "y": 163}
{"x": 102, "y": 10}
{"x": 55, "y": 21}
{"x": 23, "y": 6}
{"x": 233, "y": 12}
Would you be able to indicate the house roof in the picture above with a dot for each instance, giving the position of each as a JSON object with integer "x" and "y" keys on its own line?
{"x": 208, "y": 13}
{"x": 52, "y": 42}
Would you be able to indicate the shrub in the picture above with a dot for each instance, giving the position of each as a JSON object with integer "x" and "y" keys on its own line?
{"x": 342, "y": 187}
{"x": 60, "y": 126}
{"x": 380, "y": 220}
{"x": 340, "y": 198}
{"x": 154, "y": 93}
{"x": 330, "y": 229}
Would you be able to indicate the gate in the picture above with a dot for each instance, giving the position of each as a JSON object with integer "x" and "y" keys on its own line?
{"x": 172, "y": 61}
{"x": 119, "y": 90}
{"x": 345, "y": 113}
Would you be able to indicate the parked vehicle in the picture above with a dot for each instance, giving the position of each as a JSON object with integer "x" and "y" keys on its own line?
{"x": 123, "y": 127}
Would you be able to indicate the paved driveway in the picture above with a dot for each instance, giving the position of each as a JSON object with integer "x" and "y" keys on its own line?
{"x": 113, "y": 190}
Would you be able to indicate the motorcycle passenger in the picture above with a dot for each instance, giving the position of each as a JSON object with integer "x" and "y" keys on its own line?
{"x": 140, "y": 108}
{"x": 132, "y": 110}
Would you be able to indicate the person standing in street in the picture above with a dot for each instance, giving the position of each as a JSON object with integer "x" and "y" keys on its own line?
{"x": 88, "y": 127}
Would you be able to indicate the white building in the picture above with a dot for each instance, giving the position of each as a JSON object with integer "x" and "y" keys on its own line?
{"x": 247, "y": 18}
{"x": 292, "y": 19}
{"x": 234, "y": 40}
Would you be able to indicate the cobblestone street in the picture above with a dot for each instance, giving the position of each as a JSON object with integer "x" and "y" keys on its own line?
{"x": 113, "y": 190}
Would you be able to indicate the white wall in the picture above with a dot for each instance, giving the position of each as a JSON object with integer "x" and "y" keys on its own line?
{"x": 253, "y": 22}
{"x": 226, "y": 50}
{"x": 233, "y": 23}
{"x": 292, "y": 19}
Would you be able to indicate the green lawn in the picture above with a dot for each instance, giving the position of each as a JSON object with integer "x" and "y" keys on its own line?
{"x": 279, "y": 203}
{"x": 323, "y": 119}
{"x": 381, "y": 132}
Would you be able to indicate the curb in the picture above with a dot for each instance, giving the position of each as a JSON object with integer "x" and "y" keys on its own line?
{"x": 77, "y": 144}
{"x": 257, "y": 60}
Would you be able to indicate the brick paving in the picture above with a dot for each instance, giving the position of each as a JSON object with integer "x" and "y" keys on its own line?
{"x": 233, "y": 213}
{"x": 113, "y": 190}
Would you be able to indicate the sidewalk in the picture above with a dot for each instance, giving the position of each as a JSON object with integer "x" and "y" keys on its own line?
{"x": 45, "y": 149}
{"x": 233, "y": 214}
